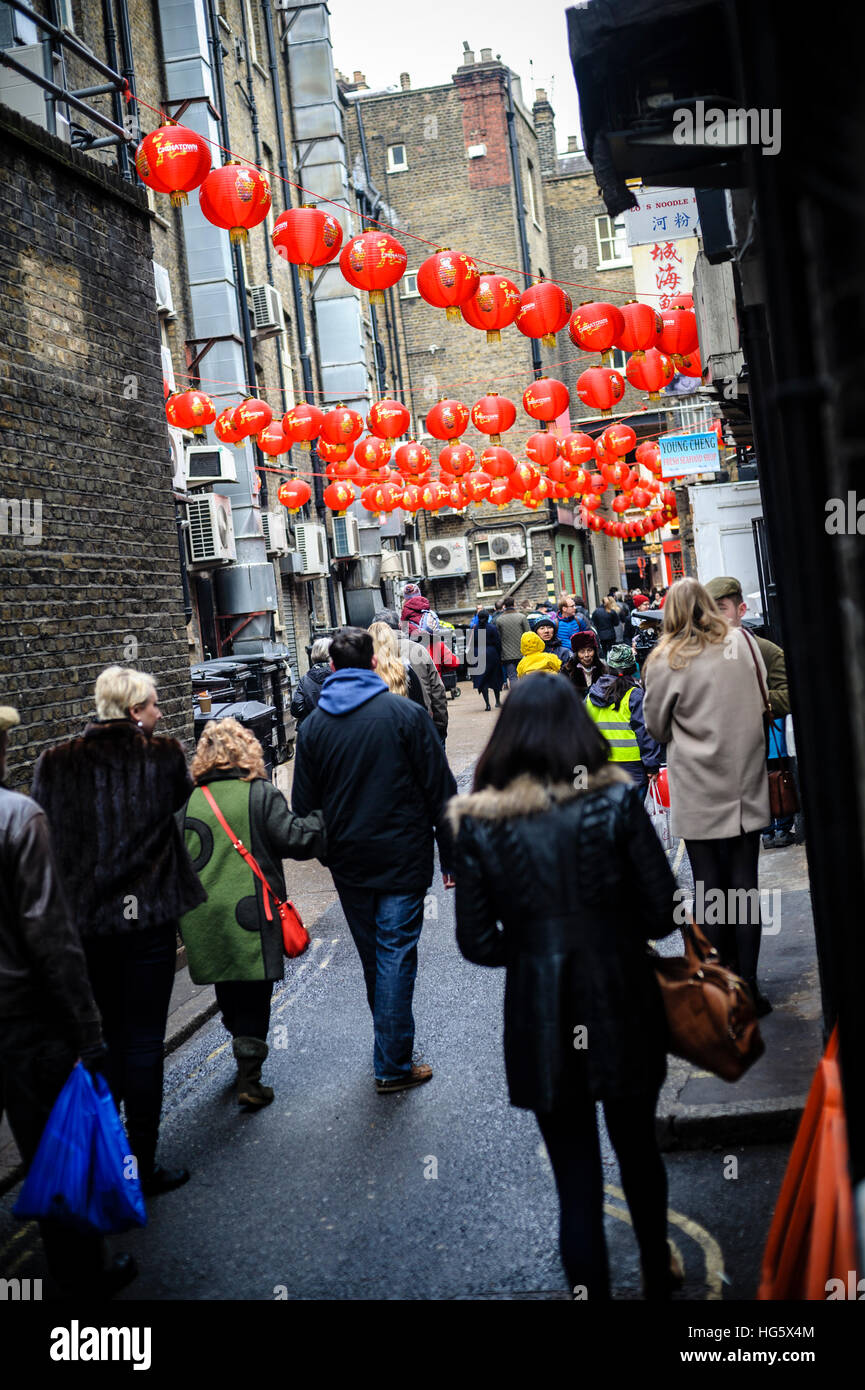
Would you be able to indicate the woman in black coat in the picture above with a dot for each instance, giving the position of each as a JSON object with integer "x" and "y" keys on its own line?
{"x": 562, "y": 880}
{"x": 605, "y": 620}
{"x": 484, "y": 658}
{"x": 110, "y": 798}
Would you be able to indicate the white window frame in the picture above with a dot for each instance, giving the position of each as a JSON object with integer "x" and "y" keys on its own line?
{"x": 532, "y": 208}
{"x": 481, "y": 559}
{"x": 392, "y": 166}
{"x": 613, "y": 224}
{"x": 409, "y": 290}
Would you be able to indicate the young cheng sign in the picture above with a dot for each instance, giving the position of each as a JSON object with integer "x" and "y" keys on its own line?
{"x": 689, "y": 453}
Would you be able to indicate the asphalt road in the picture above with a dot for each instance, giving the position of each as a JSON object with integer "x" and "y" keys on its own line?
{"x": 444, "y": 1192}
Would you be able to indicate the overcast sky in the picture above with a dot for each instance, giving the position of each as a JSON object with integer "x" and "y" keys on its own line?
{"x": 383, "y": 39}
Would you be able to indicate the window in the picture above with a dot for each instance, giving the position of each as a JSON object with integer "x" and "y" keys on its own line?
{"x": 618, "y": 359}
{"x": 396, "y": 159}
{"x": 408, "y": 287}
{"x": 613, "y": 248}
{"x": 488, "y": 575}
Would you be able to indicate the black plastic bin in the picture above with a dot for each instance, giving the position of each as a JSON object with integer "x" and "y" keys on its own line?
{"x": 259, "y": 718}
{"x": 266, "y": 683}
{"x": 237, "y": 672}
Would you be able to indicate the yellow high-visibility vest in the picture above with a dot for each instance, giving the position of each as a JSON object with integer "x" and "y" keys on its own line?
{"x": 615, "y": 725}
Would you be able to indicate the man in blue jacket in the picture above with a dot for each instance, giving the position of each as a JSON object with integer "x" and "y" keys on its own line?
{"x": 373, "y": 764}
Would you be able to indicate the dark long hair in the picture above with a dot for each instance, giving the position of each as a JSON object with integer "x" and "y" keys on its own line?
{"x": 542, "y": 730}
{"x": 617, "y": 691}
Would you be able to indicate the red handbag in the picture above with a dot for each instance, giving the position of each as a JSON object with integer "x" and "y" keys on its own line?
{"x": 295, "y": 937}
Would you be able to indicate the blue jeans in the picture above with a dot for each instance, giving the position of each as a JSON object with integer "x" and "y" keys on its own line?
{"x": 510, "y": 669}
{"x": 386, "y": 928}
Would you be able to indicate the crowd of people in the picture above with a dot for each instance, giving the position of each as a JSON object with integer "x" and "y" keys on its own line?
{"x": 123, "y": 849}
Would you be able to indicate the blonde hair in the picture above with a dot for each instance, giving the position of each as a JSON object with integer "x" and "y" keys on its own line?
{"x": 226, "y": 745}
{"x": 692, "y": 622}
{"x": 119, "y": 689}
{"x": 608, "y": 603}
{"x": 388, "y": 663}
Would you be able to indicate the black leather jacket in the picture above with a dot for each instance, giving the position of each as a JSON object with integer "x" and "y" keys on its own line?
{"x": 579, "y": 882}
{"x": 43, "y": 973}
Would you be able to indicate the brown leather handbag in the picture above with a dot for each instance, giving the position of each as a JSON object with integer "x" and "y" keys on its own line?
{"x": 783, "y": 800}
{"x": 710, "y": 1013}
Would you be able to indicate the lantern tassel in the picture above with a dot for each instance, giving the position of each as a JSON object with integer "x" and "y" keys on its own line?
{"x": 495, "y": 439}
{"x": 179, "y": 198}
{"x": 306, "y": 272}
{"x": 376, "y": 297}
{"x": 304, "y": 445}
{"x": 453, "y": 314}
{"x": 549, "y": 340}
{"x": 493, "y": 335}
{"x": 238, "y": 234}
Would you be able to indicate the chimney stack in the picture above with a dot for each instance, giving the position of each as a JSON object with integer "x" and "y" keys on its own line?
{"x": 573, "y": 147}
{"x": 360, "y": 82}
{"x": 468, "y": 56}
{"x": 405, "y": 81}
{"x": 544, "y": 118}
{"x": 486, "y": 55}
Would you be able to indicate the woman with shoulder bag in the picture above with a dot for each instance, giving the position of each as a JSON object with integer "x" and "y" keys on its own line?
{"x": 702, "y": 699}
{"x": 584, "y": 1017}
{"x": 234, "y": 940}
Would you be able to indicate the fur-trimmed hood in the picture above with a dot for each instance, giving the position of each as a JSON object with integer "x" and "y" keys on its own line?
{"x": 527, "y": 796}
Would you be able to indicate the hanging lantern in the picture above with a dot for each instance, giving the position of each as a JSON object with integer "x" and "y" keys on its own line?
{"x": 447, "y": 420}
{"x": 410, "y": 498}
{"x": 447, "y": 280}
{"x": 691, "y": 365}
{"x": 494, "y": 306}
{"x": 544, "y": 488}
{"x": 546, "y": 398}
{"x": 601, "y": 388}
{"x": 580, "y": 481}
{"x": 621, "y": 503}
{"x": 388, "y": 419}
{"x": 679, "y": 333}
{"x": 619, "y": 440}
{"x": 381, "y": 497}
{"x": 338, "y": 495}
{"x": 497, "y": 462}
{"x": 342, "y": 469}
{"x": 559, "y": 470}
{"x": 499, "y": 494}
{"x": 641, "y": 327}
{"x": 373, "y": 262}
{"x": 642, "y": 497}
{"x": 477, "y": 486}
{"x": 224, "y": 427}
{"x": 190, "y": 410}
{"x": 433, "y": 496}
{"x": 650, "y": 371}
{"x": 682, "y": 301}
{"x": 333, "y": 453}
{"x": 668, "y": 497}
{"x": 302, "y": 424}
{"x": 615, "y": 473}
{"x": 591, "y": 502}
{"x": 294, "y": 494}
{"x": 544, "y": 310}
{"x": 307, "y": 237}
{"x": 632, "y": 480}
{"x": 542, "y": 448}
{"x": 372, "y": 452}
{"x": 272, "y": 440}
{"x": 658, "y": 518}
{"x": 235, "y": 197}
{"x": 457, "y": 459}
{"x": 251, "y": 416}
{"x": 173, "y": 160}
{"x": 577, "y": 448}
{"x": 595, "y": 326}
{"x": 493, "y": 415}
{"x": 603, "y": 455}
{"x": 598, "y": 483}
{"x": 341, "y": 426}
{"x": 523, "y": 479}
{"x": 412, "y": 458}
{"x": 456, "y": 497}
{"x": 649, "y": 456}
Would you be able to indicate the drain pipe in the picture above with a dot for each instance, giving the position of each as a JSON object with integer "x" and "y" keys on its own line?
{"x": 521, "y": 217}
{"x": 528, "y": 532}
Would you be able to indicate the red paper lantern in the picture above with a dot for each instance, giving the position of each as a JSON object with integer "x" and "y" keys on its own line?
{"x": 682, "y": 301}
{"x": 658, "y": 518}
{"x": 272, "y": 440}
{"x": 493, "y": 415}
{"x": 433, "y": 496}
{"x": 598, "y": 483}
{"x": 235, "y": 197}
{"x": 190, "y": 410}
{"x": 577, "y": 448}
{"x": 560, "y": 471}
{"x": 544, "y": 310}
{"x": 493, "y": 306}
{"x": 373, "y": 262}
{"x": 302, "y": 424}
{"x": 668, "y": 497}
{"x": 411, "y": 499}
{"x": 447, "y": 280}
{"x": 456, "y": 497}
{"x": 333, "y": 453}
{"x": 477, "y": 486}
{"x": 594, "y": 327}
{"x": 621, "y": 503}
{"x": 594, "y": 523}
{"x": 173, "y": 160}
{"x": 615, "y": 473}
{"x": 372, "y": 452}
{"x": 640, "y": 327}
{"x": 457, "y": 459}
{"x": 388, "y": 419}
{"x": 649, "y": 456}
{"x": 294, "y": 494}
{"x": 546, "y": 398}
{"x": 251, "y": 416}
{"x": 642, "y": 497}
{"x": 381, "y": 497}
{"x": 412, "y": 458}
{"x": 307, "y": 237}
{"x": 679, "y": 334}
{"x": 580, "y": 481}
{"x": 691, "y": 365}
{"x": 523, "y": 479}
{"x": 341, "y": 426}
{"x": 224, "y": 427}
{"x": 338, "y": 495}
{"x": 342, "y": 469}
{"x": 498, "y": 462}
{"x": 601, "y": 388}
{"x": 650, "y": 371}
{"x": 448, "y": 419}
{"x": 499, "y": 494}
{"x": 618, "y": 440}
{"x": 542, "y": 448}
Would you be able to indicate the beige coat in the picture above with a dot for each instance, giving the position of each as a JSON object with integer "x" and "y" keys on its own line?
{"x": 710, "y": 716}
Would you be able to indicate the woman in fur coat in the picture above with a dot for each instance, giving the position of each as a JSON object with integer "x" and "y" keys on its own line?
{"x": 561, "y": 879}
{"x": 110, "y": 797}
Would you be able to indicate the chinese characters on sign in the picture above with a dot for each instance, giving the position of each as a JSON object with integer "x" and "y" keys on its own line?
{"x": 664, "y": 269}
{"x": 669, "y": 281}
{"x": 663, "y": 213}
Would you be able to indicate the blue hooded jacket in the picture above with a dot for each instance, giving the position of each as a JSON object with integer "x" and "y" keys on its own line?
{"x": 348, "y": 689}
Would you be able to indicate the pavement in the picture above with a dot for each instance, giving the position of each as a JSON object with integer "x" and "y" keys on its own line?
{"x": 696, "y": 1110}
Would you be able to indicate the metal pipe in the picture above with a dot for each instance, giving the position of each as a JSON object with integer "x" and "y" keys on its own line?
{"x": 66, "y": 39}
{"x": 116, "y": 99}
{"x": 373, "y": 206}
{"x": 61, "y": 94}
{"x": 127, "y": 63}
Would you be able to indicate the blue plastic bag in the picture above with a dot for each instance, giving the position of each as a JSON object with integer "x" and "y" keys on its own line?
{"x": 79, "y": 1173}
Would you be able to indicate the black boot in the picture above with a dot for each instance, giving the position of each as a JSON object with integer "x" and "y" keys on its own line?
{"x": 249, "y": 1053}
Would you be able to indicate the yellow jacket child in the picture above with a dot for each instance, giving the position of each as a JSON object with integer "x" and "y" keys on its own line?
{"x": 535, "y": 658}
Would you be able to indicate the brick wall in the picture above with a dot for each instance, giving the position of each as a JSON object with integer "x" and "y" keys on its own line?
{"x": 84, "y": 438}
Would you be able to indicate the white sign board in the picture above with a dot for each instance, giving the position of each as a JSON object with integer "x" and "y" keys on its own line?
{"x": 689, "y": 453}
{"x": 663, "y": 213}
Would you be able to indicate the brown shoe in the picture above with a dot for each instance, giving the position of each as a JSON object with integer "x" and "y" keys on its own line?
{"x": 418, "y": 1075}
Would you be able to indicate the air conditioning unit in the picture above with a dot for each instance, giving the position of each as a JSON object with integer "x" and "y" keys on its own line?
{"x": 275, "y": 535}
{"x": 508, "y": 546}
{"x": 448, "y": 557}
{"x": 415, "y": 560}
{"x": 210, "y": 535}
{"x": 310, "y": 538}
{"x": 267, "y": 314}
{"x": 346, "y": 537}
{"x": 210, "y": 463}
{"x": 164, "y": 301}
